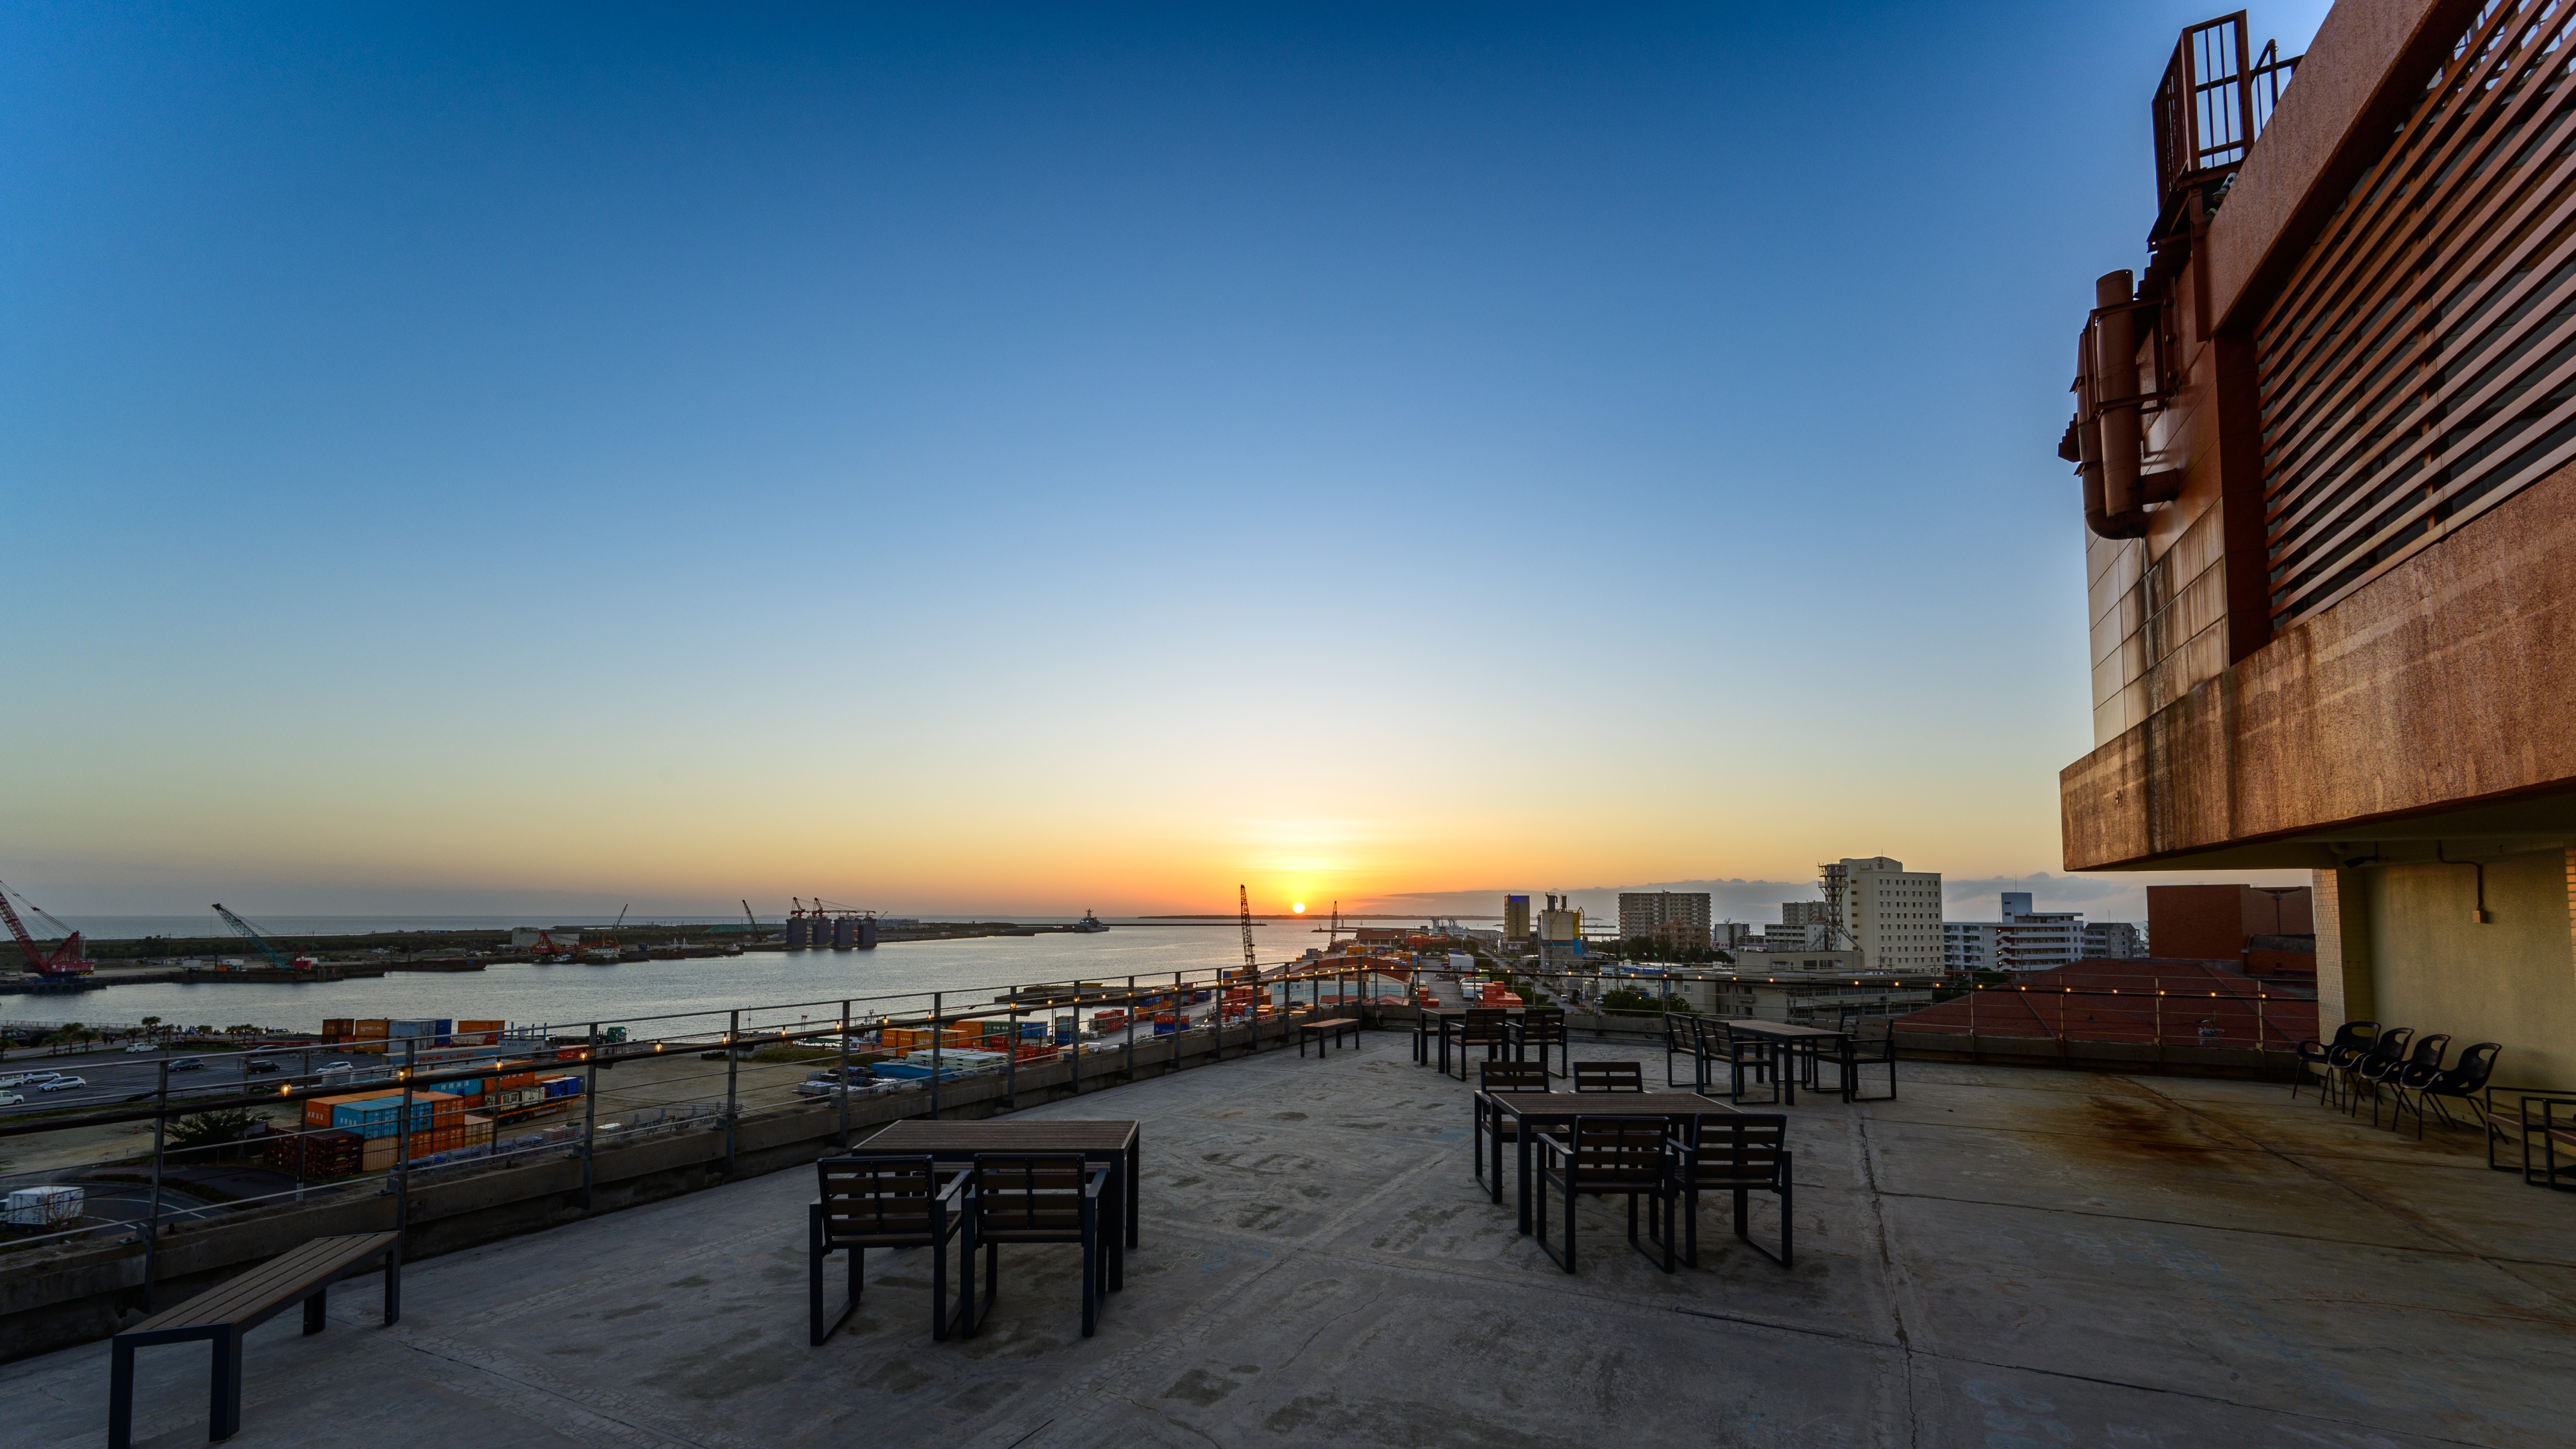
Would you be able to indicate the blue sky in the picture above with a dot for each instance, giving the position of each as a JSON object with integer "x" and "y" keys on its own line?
{"x": 1036, "y": 458}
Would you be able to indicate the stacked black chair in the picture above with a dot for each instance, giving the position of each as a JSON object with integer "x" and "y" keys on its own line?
{"x": 2462, "y": 1082}
{"x": 2342, "y": 1059}
{"x": 1038, "y": 1198}
{"x": 1601, "y": 1157}
{"x": 882, "y": 1202}
{"x": 2387, "y": 1053}
{"x": 1741, "y": 1153}
{"x": 2426, "y": 1059}
{"x": 2352, "y": 1038}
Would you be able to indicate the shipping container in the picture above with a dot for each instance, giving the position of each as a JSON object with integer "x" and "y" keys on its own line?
{"x": 370, "y": 1027}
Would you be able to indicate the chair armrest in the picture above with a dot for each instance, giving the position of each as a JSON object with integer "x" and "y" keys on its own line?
{"x": 962, "y": 1183}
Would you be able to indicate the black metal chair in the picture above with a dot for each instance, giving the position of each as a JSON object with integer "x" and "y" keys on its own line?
{"x": 2352, "y": 1037}
{"x": 1740, "y": 1153}
{"x": 1609, "y": 1076}
{"x": 2465, "y": 1079}
{"x": 1601, "y": 1157}
{"x": 1502, "y": 1077}
{"x": 882, "y": 1202}
{"x": 1542, "y": 1027}
{"x": 1744, "y": 1055}
{"x": 1866, "y": 1044}
{"x": 1489, "y": 1027}
{"x": 2387, "y": 1053}
{"x": 2426, "y": 1058}
{"x": 1035, "y": 1198}
{"x": 2341, "y": 1060}
{"x": 1681, "y": 1039}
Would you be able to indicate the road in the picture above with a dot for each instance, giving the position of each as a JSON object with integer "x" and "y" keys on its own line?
{"x": 113, "y": 1077}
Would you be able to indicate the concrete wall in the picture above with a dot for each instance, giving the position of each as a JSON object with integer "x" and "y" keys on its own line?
{"x": 2431, "y": 966}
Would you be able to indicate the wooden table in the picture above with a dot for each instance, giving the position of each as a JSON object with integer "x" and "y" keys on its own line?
{"x": 1534, "y": 1110}
{"x": 1120, "y": 1144}
{"x": 1795, "y": 1040}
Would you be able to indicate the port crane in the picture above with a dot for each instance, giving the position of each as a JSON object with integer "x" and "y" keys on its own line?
{"x": 63, "y": 960}
{"x": 300, "y": 963}
{"x": 1243, "y": 903}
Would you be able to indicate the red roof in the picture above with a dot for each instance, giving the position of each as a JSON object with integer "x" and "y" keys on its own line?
{"x": 2178, "y": 1003}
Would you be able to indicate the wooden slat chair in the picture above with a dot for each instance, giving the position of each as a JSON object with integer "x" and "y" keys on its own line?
{"x": 1681, "y": 1039}
{"x": 1745, "y": 1055}
{"x": 1601, "y": 1157}
{"x": 1503, "y": 1077}
{"x": 882, "y": 1201}
{"x": 1609, "y": 1076}
{"x": 1868, "y": 1043}
{"x": 1542, "y": 1027}
{"x": 225, "y": 1312}
{"x": 1489, "y": 1027}
{"x": 1742, "y": 1153}
{"x": 1041, "y": 1198}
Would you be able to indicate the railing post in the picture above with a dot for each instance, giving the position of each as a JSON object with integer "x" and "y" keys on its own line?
{"x": 1180, "y": 1024}
{"x": 938, "y": 1039}
{"x": 1011, "y": 1063}
{"x": 1074, "y": 1049}
{"x": 152, "y": 1225}
{"x": 402, "y": 1139}
{"x": 843, "y": 1095}
{"x": 1131, "y": 1028}
{"x": 589, "y": 1111}
{"x": 733, "y": 1072}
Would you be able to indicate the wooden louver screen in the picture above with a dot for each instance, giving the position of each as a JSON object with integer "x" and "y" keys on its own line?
{"x": 2420, "y": 364}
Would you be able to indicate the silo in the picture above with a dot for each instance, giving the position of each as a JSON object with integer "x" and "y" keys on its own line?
{"x": 799, "y": 934}
{"x": 868, "y": 933}
{"x": 845, "y": 933}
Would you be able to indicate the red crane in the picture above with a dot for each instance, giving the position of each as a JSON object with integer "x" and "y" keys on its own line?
{"x": 63, "y": 960}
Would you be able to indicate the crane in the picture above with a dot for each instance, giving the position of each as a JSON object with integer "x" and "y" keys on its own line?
{"x": 300, "y": 963}
{"x": 1251, "y": 966}
{"x": 63, "y": 960}
{"x": 748, "y": 918}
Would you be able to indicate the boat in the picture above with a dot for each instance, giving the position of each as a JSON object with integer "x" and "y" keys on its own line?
{"x": 1090, "y": 924}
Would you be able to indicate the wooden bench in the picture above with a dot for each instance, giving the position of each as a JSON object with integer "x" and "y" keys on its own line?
{"x": 2529, "y": 1118}
{"x": 227, "y": 1311}
{"x": 1331, "y": 1029}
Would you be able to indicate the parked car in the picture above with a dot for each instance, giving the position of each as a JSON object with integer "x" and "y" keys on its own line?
{"x": 29, "y": 1077}
{"x": 259, "y": 1064}
{"x": 10, "y": 1099}
{"x": 188, "y": 1064}
{"x": 144, "y": 1047}
{"x": 334, "y": 1069}
{"x": 62, "y": 1084}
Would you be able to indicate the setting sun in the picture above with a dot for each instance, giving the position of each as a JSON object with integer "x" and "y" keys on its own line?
{"x": 1299, "y": 908}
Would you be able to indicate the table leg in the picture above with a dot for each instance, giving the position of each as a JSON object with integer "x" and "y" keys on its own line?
{"x": 1521, "y": 1134}
{"x": 1497, "y": 1127}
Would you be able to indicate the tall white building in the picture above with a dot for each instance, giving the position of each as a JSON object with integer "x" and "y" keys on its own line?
{"x": 1891, "y": 915}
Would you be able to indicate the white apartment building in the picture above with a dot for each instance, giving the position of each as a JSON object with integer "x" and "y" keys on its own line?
{"x": 2033, "y": 940}
{"x": 1890, "y": 914}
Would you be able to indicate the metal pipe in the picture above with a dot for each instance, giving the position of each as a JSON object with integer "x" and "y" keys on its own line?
{"x": 2118, "y": 438}
{"x": 152, "y": 1224}
{"x": 1131, "y": 1028}
{"x": 938, "y": 1036}
{"x": 844, "y": 1093}
{"x": 733, "y": 1071}
{"x": 402, "y": 1140}
{"x": 589, "y": 1112}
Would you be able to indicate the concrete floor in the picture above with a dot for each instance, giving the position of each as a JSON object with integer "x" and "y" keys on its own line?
{"x": 2003, "y": 1258}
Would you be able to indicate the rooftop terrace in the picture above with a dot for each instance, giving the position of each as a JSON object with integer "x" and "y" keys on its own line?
{"x": 2003, "y": 1257}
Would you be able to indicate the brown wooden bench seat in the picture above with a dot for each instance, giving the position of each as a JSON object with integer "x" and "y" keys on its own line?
{"x": 232, "y": 1308}
{"x": 2543, "y": 1120}
{"x": 1331, "y": 1029}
